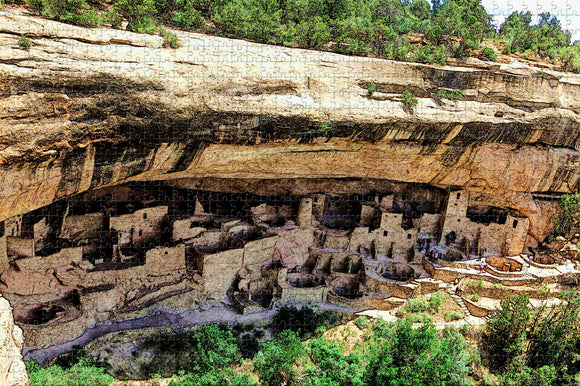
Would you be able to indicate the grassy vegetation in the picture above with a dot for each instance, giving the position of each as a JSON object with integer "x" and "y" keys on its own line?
{"x": 24, "y": 42}
{"x": 371, "y": 88}
{"x": 392, "y": 29}
{"x": 84, "y": 372}
{"x": 421, "y": 309}
{"x": 488, "y": 53}
{"x": 519, "y": 346}
{"x": 450, "y": 94}
{"x": 567, "y": 220}
{"x": 409, "y": 100}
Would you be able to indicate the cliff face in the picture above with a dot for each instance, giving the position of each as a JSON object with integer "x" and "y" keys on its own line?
{"x": 89, "y": 108}
{"x": 84, "y": 109}
{"x": 12, "y": 369}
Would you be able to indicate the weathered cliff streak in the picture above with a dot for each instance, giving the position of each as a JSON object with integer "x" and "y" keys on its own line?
{"x": 89, "y": 108}
{"x": 12, "y": 368}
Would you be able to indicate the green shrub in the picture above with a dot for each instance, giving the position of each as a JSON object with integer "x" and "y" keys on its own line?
{"x": 475, "y": 297}
{"x": 520, "y": 375}
{"x": 418, "y": 304}
{"x": 140, "y": 15}
{"x": 489, "y": 54}
{"x": 371, "y": 88}
{"x": 111, "y": 17}
{"x": 419, "y": 357}
{"x": 335, "y": 367}
{"x": 169, "y": 38}
{"x": 77, "y": 12}
{"x": 37, "y": 5}
{"x": 211, "y": 347}
{"x": 409, "y": 99}
{"x": 324, "y": 127}
{"x": 453, "y": 315}
{"x": 450, "y": 94}
{"x": 226, "y": 376}
{"x": 567, "y": 219}
{"x": 428, "y": 54}
{"x": 274, "y": 361}
{"x": 362, "y": 322}
{"x": 313, "y": 33}
{"x": 81, "y": 374}
{"x": 420, "y": 317}
{"x": 305, "y": 320}
{"x": 436, "y": 300}
{"x": 24, "y": 43}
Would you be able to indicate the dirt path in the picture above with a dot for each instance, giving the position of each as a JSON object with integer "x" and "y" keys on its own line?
{"x": 207, "y": 314}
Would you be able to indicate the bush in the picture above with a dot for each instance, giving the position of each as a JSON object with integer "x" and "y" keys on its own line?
{"x": 409, "y": 99}
{"x": 533, "y": 344}
{"x": 419, "y": 357}
{"x": 453, "y": 315}
{"x": 214, "y": 378}
{"x": 362, "y": 322}
{"x": 37, "y": 5}
{"x": 24, "y": 43}
{"x": 81, "y": 374}
{"x": 489, "y": 54}
{"x": 77, "y": 12}
{"x": 450, "y": 94}
{"x": 335, "y": 367}
{"x": 436, "y": 300}
{"x": 418, "y": 304}
{"x": 567, "y": 220}
{"x": 371, "y": 88}
{"x": 521, "y": 375}
{"x": 304, "y": 320}
{"x": 139, "y": 13}
{"x": 475, "y": 297}
{"x": 274, "y": 361}
{"x": 212, "y": 347}
{"x": 505, "y": 334}
{"x": 169, "y": 38}
{"x": 313, "y": 33}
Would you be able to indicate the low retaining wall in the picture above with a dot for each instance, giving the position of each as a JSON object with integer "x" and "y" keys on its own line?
{"x": 475, "y": 309}
{"x": 449, "y": 275}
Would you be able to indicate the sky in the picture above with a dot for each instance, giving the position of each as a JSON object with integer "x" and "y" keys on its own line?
{"x": 567, "y": 11}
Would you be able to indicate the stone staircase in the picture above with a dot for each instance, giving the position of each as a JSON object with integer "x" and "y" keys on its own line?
{"x": 459, "y": 300}
{"x": 487, "y": 318}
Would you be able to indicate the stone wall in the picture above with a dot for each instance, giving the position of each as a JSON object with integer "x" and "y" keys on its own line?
{"x": 19, "y": 247}
{"x": 508, "y": 238}
{"x": 183, "y": 229}
{"x": 310, "y": 294}
{"x": 165, "y": 260}
{"x": 41, "y": 231}
{"x": 142, "y": 226}
{"x": 64, "y": 257}
{"x": 219, "y": 271}
{"x": 13, "y": 226}
{"x": 304, "y": 217}
{"x": 90, "y": 225}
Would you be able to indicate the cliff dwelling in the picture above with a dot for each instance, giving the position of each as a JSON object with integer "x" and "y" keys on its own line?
{"x": 113, "y": 253}
{"x": 147, "y": 186}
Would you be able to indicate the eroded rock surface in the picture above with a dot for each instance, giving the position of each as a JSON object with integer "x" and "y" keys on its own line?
{"x": 86, "y": 109}
{"x": 12, "y": 369}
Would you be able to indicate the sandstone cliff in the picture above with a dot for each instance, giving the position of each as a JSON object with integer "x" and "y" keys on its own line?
{"x": 85, "y": 108}
{"x": 93, "y": 108}
{"x": 12, "y": 369}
